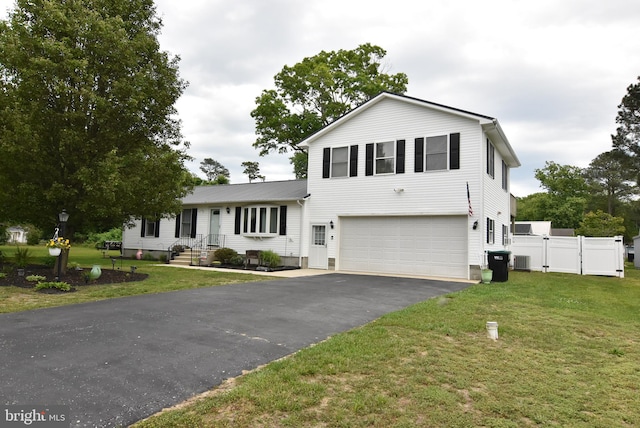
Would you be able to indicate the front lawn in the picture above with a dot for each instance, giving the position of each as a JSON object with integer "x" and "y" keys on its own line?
{"x": 161, "y": 279}
{"x": 568, "y": 354}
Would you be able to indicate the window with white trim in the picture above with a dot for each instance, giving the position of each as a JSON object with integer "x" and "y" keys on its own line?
{"x": 491, "y": 158}
{"x": 491, "y": 231}
{"x": 436, "y": 153}
{"x": 505, "y": 235}
{"x": 260, "y": 220}
{"x": 339, "y": 161}
{"x": 385, "y": 157}
{"x": 505, "y": 176}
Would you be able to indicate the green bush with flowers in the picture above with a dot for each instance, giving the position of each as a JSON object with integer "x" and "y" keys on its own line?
{"x": 60, "y": 242}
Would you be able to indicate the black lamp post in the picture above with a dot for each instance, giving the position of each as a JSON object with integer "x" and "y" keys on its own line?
{"x": 62, "y": 217}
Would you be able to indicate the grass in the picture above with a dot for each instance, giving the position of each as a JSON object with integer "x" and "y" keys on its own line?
{"x": 568, "y": 355}
{"x": 161, "y": 279}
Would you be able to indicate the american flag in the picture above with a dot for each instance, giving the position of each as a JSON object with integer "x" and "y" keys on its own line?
{"x": 469, "y": 200}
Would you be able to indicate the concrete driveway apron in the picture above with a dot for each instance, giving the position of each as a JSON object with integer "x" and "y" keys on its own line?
{"x": 117, "y": 361}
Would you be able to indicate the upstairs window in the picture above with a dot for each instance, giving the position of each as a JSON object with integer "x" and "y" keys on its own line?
{"x": 339, "y": 161}
{"x": 505, "y": 176}
{"x": 437, "y": 153}
{"x": 491, "y": 158}
{"x": 385, "y": 160}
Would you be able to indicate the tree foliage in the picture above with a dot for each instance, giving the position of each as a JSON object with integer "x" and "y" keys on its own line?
{"x": 214, "y": 171}
{"x": 601, "y": 224}
{"x": 565, "y": 201}
{"x": 609, "y": 181}
{"x": 627, "y": 137}
{"x": 87, "y": 114}
{"x": 252, "y": 170}
{"x": 315, "y": 92}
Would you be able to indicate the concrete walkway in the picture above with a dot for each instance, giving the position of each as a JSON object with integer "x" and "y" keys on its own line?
{"x": 117, "y": 361}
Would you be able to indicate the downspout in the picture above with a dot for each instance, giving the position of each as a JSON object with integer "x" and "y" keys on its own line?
{"x": 302, "y": 231}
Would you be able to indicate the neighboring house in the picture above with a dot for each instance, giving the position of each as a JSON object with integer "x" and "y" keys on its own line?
{"x": 540, "y": 228}
{"x": 16, "y": 235}
{"x": 396, "y": 186}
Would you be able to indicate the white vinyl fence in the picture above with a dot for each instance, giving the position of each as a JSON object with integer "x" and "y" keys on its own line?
{"x": 579, "y": 254}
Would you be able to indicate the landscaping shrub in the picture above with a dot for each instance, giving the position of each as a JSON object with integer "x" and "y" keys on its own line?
{"x": 270, "y": 258}
{"x": 63, "y": 286}
{"x": 225, "y": 255}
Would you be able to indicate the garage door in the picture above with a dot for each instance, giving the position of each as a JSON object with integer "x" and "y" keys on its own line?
{"x": 425, "y": 245}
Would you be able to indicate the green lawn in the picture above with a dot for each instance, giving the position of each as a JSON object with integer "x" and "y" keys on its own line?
{"x": 161, "y": 279}
{"x": 568, "y": 356}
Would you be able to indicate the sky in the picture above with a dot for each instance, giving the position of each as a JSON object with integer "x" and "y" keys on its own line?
{"x": 553, "y": 72}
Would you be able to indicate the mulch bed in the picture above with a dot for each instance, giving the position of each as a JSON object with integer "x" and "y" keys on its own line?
{"x": 73, "y": 277}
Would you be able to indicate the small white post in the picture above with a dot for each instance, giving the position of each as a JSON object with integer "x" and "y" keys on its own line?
{"x": 492, "y": 330}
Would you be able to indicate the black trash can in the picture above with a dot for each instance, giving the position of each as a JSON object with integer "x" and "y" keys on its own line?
{"x": 499, "y": 264}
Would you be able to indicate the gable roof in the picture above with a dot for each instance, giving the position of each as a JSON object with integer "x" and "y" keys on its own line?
{"x": 489, "y": 124}
{"x": 270, "y": 191}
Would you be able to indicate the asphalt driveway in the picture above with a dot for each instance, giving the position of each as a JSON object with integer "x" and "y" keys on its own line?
{"x": 117, "y": 361}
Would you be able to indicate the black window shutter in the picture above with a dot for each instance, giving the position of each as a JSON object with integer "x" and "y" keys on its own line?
{"x": 238, "y": 217}
{"x": 194, "y": 219}
{"x": 488, "y": 230}
{"x": 400, "y": 157}
{"x": 419, "y": 156}
{"x": 454, "y": 151}
{"x": 157, "y": 234}
{"x": 143, "y": 227}
{"x": 283, "y": 220}
{"x": 326, "y": 162}
{"x": 353, "y": 161}
{"x": 178, "y": 218}
{"x": 368, "y": 170}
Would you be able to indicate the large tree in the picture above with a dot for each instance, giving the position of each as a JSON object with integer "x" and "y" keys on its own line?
{"x": 215, "y": 171}
{"x": 610, "y": 182}
{"x": 627, "y": 137}
{"x": 315, "y": 92}
{"x": 87, "y": 116}
{"x": 564, "y": 202}
{"x": 252, "y": 170}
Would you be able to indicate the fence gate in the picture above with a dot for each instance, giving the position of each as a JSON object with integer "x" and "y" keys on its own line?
{"x": 579, "y": 254}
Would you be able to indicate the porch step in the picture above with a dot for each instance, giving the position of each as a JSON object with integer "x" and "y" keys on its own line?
{"x": 183, "y": 259}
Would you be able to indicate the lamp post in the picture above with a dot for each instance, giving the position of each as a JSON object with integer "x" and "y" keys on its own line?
{"x": 62, "y": 217}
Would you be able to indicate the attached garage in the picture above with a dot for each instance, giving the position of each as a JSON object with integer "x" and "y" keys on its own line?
{"x": 410, "y": 245}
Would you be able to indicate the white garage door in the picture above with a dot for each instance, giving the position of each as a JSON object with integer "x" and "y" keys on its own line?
{"x": 425, "y": 245}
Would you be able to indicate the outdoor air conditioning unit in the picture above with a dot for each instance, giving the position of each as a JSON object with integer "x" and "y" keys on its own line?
{"x": 522, "y": 263}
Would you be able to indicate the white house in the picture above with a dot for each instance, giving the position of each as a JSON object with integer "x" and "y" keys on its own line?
{"x": 396, "y": 186}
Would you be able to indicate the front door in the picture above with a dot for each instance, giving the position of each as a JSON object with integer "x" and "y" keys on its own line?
{"x": 214, "y": 228}
{"x": 318, "y": 249}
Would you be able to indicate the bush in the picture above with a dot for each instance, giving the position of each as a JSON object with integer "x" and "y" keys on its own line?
{"x": 148, "y": 257}
{"x": 33, "y": 235}
{"x": 270, "y": 258}
{"x": 114, "y": 234}
{"x": 237, "y": 260}
{"x": 225, "y": 255}
{"x": 63, "y": 286}
{"x": 35, "y": 278}
{"x": 21, "y": 257}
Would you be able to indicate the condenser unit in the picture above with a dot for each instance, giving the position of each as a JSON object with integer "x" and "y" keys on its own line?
{"x": 522, "y": 263}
